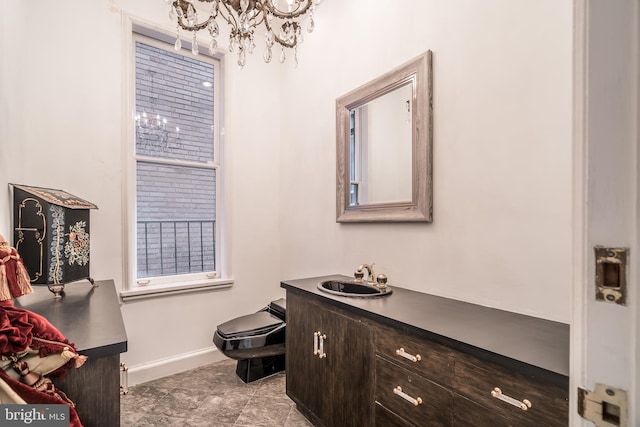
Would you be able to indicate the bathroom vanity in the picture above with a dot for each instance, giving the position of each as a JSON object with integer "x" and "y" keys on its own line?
{"x": 413, "y": 359}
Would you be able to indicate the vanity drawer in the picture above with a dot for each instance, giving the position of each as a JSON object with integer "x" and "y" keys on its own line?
{"x": 435, "y": 360}
{"x": 470, "y": 414}
{"x": 476, "y": 379}
{"x": 418, "y": 400}
{"x": 386, "y": 418}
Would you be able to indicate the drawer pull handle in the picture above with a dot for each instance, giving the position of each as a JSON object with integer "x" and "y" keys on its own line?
{"x": 402, "y": 353}
{"x": 524, "y": 405}
{"x": 415, "y": 402}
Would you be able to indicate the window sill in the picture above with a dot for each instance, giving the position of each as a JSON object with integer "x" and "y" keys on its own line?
{"x": 144, "y": 292}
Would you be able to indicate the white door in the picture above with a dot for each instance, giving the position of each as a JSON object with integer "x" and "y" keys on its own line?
{"x": 605, "y": 335}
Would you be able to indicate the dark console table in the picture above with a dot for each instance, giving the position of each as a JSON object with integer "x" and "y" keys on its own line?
{"x": 90, "y": 318}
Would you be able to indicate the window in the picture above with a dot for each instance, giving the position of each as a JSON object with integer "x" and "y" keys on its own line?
{"x": 354, "y": 164}
{"x": 177, "y": 166}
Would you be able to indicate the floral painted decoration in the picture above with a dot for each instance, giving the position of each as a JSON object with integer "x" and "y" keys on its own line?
{"x": 77, "y": 247}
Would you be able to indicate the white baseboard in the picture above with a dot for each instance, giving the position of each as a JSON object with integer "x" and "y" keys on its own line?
{"x": 155, "y": 369}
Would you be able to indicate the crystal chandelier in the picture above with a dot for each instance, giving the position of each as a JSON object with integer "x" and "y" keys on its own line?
{"x": 244, "y": 16}
{"x": 148, "y": 128}
{"x": 151, "y": 128}
{"x": 152, "y": 133}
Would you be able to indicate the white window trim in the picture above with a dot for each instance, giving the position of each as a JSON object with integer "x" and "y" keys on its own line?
{"x": 168, "y": 289}
{"x": 133, "y": 287}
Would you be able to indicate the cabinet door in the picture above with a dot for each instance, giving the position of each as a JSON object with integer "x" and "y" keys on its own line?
{"x": 349, "y": 367}
{"x": 335, "y": 390}
{"x": 304, "y": 370}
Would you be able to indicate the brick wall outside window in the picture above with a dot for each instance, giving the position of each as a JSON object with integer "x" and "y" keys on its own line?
{"x": 175, "y": 201}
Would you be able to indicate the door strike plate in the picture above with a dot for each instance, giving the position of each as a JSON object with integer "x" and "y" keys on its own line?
{"x": 605, "y": 406}
{"x": 611, "y": 274}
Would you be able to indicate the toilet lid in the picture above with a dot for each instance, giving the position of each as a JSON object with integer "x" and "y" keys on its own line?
{"x": 252, "y": 324}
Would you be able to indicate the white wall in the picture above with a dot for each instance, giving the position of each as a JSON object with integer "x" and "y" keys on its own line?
{"x": 502, "y": 166}
{"x": 502, "y": 150}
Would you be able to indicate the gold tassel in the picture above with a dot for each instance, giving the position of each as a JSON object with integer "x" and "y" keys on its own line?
{"x": 80, "y": 360}
{"x": 24, "y": 281}
{"x": 68, "y": 355}
{"x": 4, "y": 285}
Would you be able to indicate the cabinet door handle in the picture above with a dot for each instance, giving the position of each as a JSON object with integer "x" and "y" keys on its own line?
{"x": 415, "y": 402}
{"x": 321, "y": 353}
{"x": 316, "y": 341}
{"x": 402, "y": 353}
{"x": 524, "y": 404}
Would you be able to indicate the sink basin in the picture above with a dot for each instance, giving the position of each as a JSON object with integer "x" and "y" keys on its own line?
{"x": 352, "y": 288}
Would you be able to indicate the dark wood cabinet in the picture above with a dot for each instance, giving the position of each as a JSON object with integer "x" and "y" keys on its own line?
{"x": 95, "y": 390}
{"x": 329, "y": 363}
{"x": 89, "y": 317}
{"x": 412, "y": 359}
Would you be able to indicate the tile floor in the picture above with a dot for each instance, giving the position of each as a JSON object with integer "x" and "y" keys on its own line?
{"x": 210, "y": 396}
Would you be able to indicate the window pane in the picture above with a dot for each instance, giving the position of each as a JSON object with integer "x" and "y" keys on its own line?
{"x": 176, "y": 214}
{"x": 174, "y": 109}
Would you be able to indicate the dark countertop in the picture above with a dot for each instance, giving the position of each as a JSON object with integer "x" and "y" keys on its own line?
{"x": 511, "y": 338}
{"x": 87, "y": 316}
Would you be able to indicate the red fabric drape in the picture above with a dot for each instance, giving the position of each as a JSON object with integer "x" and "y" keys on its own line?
{"x": 30, "y": 395}
{"x": 15, "y": 329}
{"x": 22, "y": 329}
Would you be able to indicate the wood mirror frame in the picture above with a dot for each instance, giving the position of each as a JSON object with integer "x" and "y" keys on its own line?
{"x": 417, "y": 72}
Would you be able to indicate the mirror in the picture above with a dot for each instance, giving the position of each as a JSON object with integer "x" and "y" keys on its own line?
{"x": 384, "y": 144}
{"x": 380, "y": 149}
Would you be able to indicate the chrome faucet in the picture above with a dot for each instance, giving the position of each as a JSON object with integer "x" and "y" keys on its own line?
{"x": 379, "y": 281}
{"x": 371, "y": 275}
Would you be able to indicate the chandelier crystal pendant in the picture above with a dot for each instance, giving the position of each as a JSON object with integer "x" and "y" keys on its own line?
{"x": 282, "y": 26}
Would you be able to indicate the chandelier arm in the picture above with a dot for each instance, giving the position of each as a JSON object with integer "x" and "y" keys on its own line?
{"x": 231, "y": 20}
{"x": 263, "y": 17}
{"x": 195, "y": 27}
{"x": 265, "y": 13}
{"x": 183, "y": 5}
{"x": 283, "y": 42}
{"x": 286, "y": 15}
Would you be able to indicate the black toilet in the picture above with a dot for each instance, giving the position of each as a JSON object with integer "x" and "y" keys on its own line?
{"x": 256, "y": 341}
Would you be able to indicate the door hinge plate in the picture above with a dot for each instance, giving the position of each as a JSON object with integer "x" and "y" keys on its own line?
{"x": 611, "y": 274}
{"x": 605, "y": 406}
